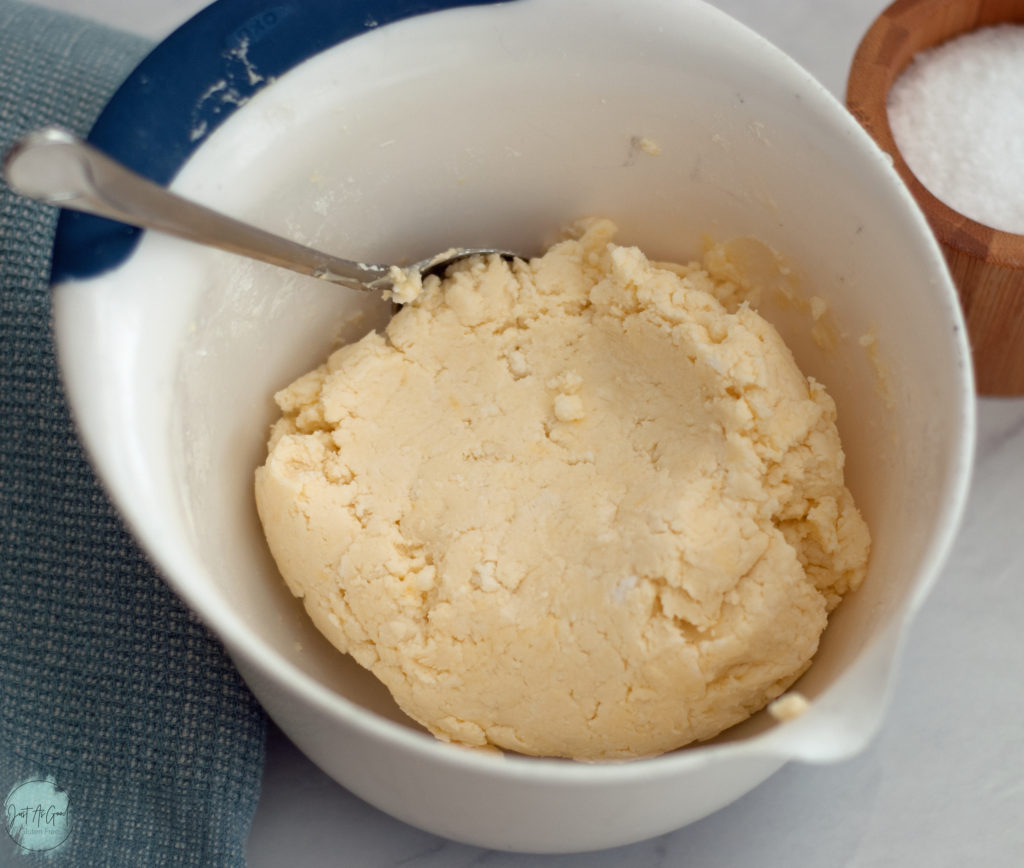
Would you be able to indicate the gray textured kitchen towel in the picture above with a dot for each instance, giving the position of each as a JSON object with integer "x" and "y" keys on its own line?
{"x": 126, "y": 736}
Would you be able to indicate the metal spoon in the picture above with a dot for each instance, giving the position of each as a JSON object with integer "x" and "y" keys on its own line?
{"x": 54, "y": 166}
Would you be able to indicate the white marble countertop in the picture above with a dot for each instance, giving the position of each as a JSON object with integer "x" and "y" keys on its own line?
{"x": 942, "y": 784}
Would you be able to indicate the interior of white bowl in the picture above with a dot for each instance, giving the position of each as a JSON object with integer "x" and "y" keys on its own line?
{"x": 498, "y": 125}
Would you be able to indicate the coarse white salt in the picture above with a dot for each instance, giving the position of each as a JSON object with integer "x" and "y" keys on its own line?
{"x": 957, "y": 114}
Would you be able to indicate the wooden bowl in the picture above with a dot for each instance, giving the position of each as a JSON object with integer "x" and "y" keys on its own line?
{"x": 987, "y": 264}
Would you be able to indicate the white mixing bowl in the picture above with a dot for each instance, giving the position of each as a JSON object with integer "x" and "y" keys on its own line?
{"x": 495, "y": 125}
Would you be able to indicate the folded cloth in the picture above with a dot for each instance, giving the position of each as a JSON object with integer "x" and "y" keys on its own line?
{"x": 126, "y": 736}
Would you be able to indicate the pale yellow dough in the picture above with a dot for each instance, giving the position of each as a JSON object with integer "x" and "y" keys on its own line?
{"x": 575, "y": 507}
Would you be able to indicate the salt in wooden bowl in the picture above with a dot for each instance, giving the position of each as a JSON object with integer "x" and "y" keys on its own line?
{"x": 987, "y": 264}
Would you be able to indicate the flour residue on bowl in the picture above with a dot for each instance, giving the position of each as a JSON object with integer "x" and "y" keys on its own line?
{"x": 241, "y": 80}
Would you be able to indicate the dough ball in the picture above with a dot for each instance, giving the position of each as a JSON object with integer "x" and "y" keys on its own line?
{"x": 574, "y": 507}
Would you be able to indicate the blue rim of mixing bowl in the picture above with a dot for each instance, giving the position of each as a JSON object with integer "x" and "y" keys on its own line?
{"x": 192, "y": 82}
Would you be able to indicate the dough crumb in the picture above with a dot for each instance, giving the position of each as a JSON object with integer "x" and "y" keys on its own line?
{"x": 788, "y": 707}
{"x": 569, "y": 408}
{"x": 406, "y": 284}
{"x": 517, "y": 364}
{"x": 648, "y": 146}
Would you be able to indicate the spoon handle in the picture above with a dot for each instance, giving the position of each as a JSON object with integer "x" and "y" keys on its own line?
{"x": 54, "y": 166}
